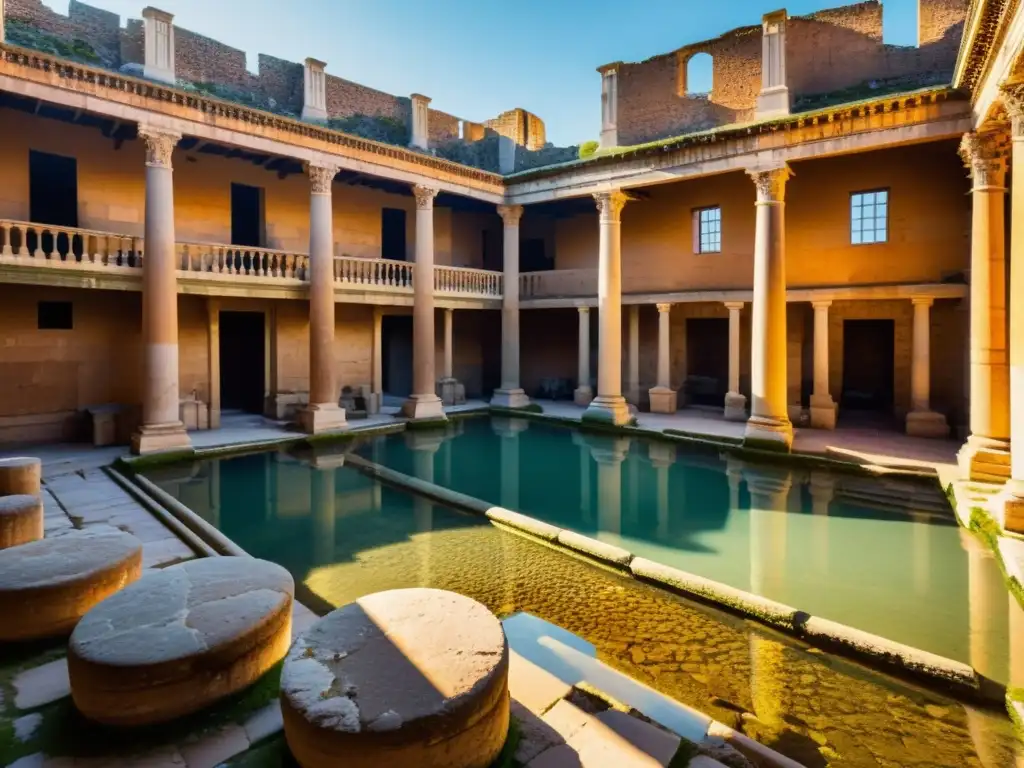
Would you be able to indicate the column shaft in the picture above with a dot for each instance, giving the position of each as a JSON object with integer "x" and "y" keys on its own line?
{"x": 986, "y": 456}
{"x": 448, "y": 365}
{"x": 922, "y": 421}
{"x": 377, "y": 372}
{"x": 161, "y": 427}
{"x": 633, "y": 362}
{"x": 1013, "y": 518}
{"x": 663, "y": 397}
{"x": 584, "y": 392}
{"x": 823, "y": 409}
{"x": 510, "y": 394}
{"x": 609, "y": 405}
{"x": 769, "y": 419}
{"x": 735, "y": 403}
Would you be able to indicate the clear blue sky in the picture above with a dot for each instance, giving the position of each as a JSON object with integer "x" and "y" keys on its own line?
{"x": 476, "y": 58}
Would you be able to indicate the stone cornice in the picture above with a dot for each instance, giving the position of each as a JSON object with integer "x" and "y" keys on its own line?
{"x": 983, "y": 33}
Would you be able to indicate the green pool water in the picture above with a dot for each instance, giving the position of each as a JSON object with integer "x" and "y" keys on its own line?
{"x": 343, "y": 536}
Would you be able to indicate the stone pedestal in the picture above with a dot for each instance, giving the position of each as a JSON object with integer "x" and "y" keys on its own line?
{"x": 451, "y": 392}
{"x": 322, "y": 417}
{"x": 735, "y": 407}
{"x": 922, "y": 421}
{"x": 423, "y": 407}
{"x": 663, "y": 400}
{"x": 824, "y": 412}
{"x": 194, "y": 414}
{"x": 511, "y": 398}
{"x": 927, "y": 424}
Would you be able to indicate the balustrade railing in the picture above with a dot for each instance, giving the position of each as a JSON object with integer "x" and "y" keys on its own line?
{"x": 51, "y": 245}
{"x": 558, "y": 283}
{"x": 384, "y": 273}
{"x": 240, "y": 260}
{"x": 465, "y": 280}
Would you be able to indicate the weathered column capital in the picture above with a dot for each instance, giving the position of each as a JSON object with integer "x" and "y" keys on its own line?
{"x": 770, "y": 183}
{"x": 922, "y": 301}
{"x": 610, "y": 205}
{"x": 321, "y": 177}
{"x": 510, "y": 214}
{"x": 984, "y": 155}
{"x": 583, "y": 310}
{"x": 734, "y": 306}
{"x": 1013, "y": 101}
{"x": 160, "y": 145}
{"x": 664, "y": 308}
{"x": 821, "y": 304}
{"x": 424, "y": 197}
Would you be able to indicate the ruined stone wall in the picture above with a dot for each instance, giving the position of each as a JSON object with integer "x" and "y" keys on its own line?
{"x": 200, "y": 59}
{"x": 524, "y": 128}
{"x": 441, "y": 127}
{"x": 99, "y": 28}
{"x": 282, "y": 81}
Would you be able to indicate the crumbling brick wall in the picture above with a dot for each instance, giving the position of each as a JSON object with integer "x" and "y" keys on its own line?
{"x": 441, "y": 127}
{"x": 99, "y": 28}
{"x": 283, "y": 82}
{"x": 345, "y": 98}
{"x": 200, "y": 59}
{"x": 524, "y": 128}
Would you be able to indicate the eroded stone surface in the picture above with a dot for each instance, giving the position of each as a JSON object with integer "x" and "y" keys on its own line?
{"x": 20, "y": 474}
{"x": 47, "y": 586}
{"x": 180, "y": 639}
{"x": 21, "y": 520}
{"x": 416, "y": 676}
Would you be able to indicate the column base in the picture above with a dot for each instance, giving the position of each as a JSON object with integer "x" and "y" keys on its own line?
{"x": 985, "y": 459}
{"x": 769, "y": 434}
{"x": 153, "y": 438}
{"x": 608, "y": 409}
{"x": 927, "y": 424}
{"x": 451, "y": 392}
{"x": 510, "y": 398}
{"x": 735, "y": 407}
{"x": 322, "y": 417}
{"x": 823, "y": 412}
{"x": 423, "y": 407}
{"x": 583, "y": 396}
{"x": 1011, "y": 499}
{"x": 663, "y": 400}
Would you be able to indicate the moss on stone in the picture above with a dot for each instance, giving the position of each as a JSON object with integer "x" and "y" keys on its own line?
{"x": 388, "y": 130}
{"x": 427, "y": 425}
{"x": 150, "y": 460}
{"x": 588, "y": 148}
{"x": 507, "y": 757}
{"x": 20, "y": 33}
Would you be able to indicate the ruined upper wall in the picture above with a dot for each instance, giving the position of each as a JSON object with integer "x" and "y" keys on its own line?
{"x": 832, "y": 54}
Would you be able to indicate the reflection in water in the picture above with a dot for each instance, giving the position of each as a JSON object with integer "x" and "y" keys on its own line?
{"x": 819, "y": 710}
{"x": 880, "y": 554}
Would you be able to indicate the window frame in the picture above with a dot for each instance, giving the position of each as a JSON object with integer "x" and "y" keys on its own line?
{"x": 698, "y": 233}
{"x": 874, "y": 217}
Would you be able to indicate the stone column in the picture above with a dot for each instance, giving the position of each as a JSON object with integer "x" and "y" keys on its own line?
{"x": 769, "y": 425}
{"x": 423, "y": 403}
{"x": 377, "y": 371}
{"x": 1013, "y": 495}
{"x": 213, "y": 358}
{"x": 735, "y": 403}
{"x": 986, "y": 455}
{"x": 823, "y": 408}
{"x": 584, "y": 392}
{"x": 609, "y": 405}
{"x": 161, "y": 428}
{"x": 323, "y": 412}
{"x": 633, "y": 360}
{"x": 510, "y": 394}
{"x": 448, "y": 386}
{"x": 663, "y": 397}
{"x": 922, "y": 421}
{"x": 448, "y": 366}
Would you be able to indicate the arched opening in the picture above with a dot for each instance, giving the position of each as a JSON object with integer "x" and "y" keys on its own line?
{"x": 699, "y": 75}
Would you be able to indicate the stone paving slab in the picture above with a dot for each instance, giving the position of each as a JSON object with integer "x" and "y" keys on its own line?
{"x": 42, "y": 685}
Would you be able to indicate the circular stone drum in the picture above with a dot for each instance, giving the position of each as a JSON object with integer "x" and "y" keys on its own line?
{"x": 47, "y": 586}
{"x": 20, "y": 474}
{"x": 21, "y": 520}
{"x": 408, "y": 677}
{"x": 180, "y": 639}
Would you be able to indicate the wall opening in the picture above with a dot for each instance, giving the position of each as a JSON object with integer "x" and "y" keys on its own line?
{"x": 53, "y": 199}
{"x": 242, "y": 361}
{"x": 396, "y": 354}
{"x": 533, "y": 257}
{"x": 707, "y": 360}
{"x": 392, "y": 234}
{"x": 868, "y": 367}
{"x": 699, "y": 75}
{"x": 247, "y": 216}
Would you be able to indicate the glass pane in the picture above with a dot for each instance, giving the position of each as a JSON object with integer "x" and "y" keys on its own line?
{"x": 856, "y": 213}
{"x": 883, "y": 196}
{"x": 879, "y": 235}
{"x": 856, "y": 237}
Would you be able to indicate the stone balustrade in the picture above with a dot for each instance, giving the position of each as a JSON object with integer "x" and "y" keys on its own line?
{"x": 385, "y": 273}
{"x": 558, "y": 283}
{"x": 47, "y": 245}
{"x": 241, "y": 261}
{"x": 464, "y": 280}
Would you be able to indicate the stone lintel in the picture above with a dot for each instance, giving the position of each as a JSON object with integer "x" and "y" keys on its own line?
{"x": 150, "y": 12}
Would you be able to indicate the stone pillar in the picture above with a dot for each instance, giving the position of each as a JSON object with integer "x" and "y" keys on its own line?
{"x": 922, "y": 421}
{"x": 424, "y": 402}
{"x": 823, "y": 408}
{"x": 735, "y": 403}
{"x": 448, "y": 364}
{"x": 420, "y": 134}
{"x": 633, "y": 361}
{"x": 448, "y": 386}
{"x": 773, "y": 100}
{"x": 663, "y": 397}
{"x": 986, "y": 455}
{"x": 158, "y": 57}
{"x": 609, "y": 405}
{"x": 769, "y": 425}
{"x": 609, "y": 105}
{"x": 377, "y": 371}
{"x": 510, "y": 394}
{"x": 1013, "y": 495}
{"x": 584, "y": 392}
{"x": 161, "y": 428}
{"x": 213, "y": 358}
{"x": 314, "y": 91}
{"x": 2, "y": 34}
{"x": 322, "y": 413}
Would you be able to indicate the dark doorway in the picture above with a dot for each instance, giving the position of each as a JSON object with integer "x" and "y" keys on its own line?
{"x": 392, "y": 234}
{"x": 490, "y": 336}
{"x": 396, "y": 354}
{"x": 533, "y": 257}
{"x": 493, "y": 246}
{"x": 242, "y": 361}
{"x": 868, "y": 365}
{"x": 53, "y": 199}
{"x": 707, "y": 360}
{"x": 247, "y": 223}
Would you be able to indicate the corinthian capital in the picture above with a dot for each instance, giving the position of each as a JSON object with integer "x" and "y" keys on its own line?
{"x": 610, "y": 205}
{"x": 984, "y": 154}
{"x": 321, "y": 177}
{"x": 1013, "y": 101}
{"x": 160, "y": 145}
{"x": 770, "y": 183}
{"x": 424, "y": 197}
{"x": 510, "y": 214}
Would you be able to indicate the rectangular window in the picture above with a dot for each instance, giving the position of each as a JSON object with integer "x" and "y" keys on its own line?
{"x": 707, "y": 230}
{"x": 54, "y": 316}
{"x": 869, "y": 217}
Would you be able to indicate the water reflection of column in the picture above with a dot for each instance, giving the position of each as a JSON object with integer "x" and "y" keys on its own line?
{"x": 424, "y": 445}
{"x": 734, "y": 474}
{"x": 214, "y": 506}
{"x": 508, "y": 430}
{"x": 609, "y": 453}
{"x": 987, "y": 607}
{"x": 585, "y": 509}
{"x": 921, "y": 546}
{"x": 769, "y": 497}
{"x": 322, "y": 493}
{"x": 1016, "y": 613}
{"x": 823, "y": 489}
{"x": 663, "y": 456}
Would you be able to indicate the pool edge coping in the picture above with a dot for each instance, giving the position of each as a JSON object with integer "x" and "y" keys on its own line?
{"x": 885, "y": 655}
